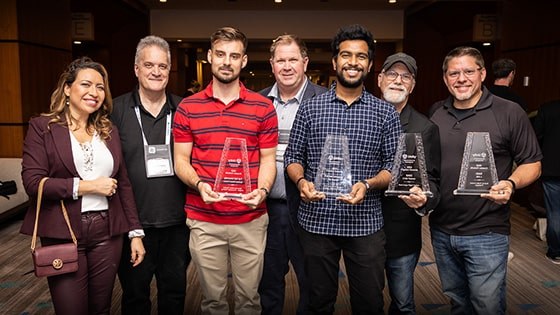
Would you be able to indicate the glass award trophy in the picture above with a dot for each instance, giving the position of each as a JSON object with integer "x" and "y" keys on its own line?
{"x": 233, "y": 179}
{"x": 409, "y": 168}
{"x": 334, "y": 178}
{"x": 478, "y": 169}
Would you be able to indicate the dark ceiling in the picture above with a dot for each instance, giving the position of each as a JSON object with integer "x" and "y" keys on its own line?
{"x": 285, "y": 5}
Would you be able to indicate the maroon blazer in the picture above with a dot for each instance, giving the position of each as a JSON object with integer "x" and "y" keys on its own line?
{"x": 48, "y": 152}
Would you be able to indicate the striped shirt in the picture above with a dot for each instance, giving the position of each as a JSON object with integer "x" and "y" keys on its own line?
{"x": 207, "y": 122}
{"x": 372, "y": 127}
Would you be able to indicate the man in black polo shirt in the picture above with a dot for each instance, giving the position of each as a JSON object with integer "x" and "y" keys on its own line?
{"x": 144, "y": 117}
{"x": 470, "y": 234}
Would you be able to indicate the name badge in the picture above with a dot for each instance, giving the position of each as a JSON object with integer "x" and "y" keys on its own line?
{"x": 158, "y": 160}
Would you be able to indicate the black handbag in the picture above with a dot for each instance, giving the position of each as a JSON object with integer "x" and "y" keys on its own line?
{"x": 8, "y": 187}
{"x": 57, "y": 259}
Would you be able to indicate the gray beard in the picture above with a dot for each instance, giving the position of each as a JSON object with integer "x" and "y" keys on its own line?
{"x": 394, "y": 97}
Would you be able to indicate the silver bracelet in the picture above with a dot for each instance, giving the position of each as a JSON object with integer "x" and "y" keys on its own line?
{"x": 75, "y": 188}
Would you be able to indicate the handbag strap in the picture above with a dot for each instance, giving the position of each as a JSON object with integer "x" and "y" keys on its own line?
{"x": 38, "y": 209}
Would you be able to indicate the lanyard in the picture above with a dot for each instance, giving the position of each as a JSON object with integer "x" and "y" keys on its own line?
{"x": 167, "y": 126}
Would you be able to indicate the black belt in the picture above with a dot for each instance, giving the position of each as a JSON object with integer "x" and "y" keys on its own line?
{"x": 103, "y": 213}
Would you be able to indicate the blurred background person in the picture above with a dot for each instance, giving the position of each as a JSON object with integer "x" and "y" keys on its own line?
{"x": 504, "y": 74}
{"x": 547, "y": 128}
{"x": 193, "y": 89}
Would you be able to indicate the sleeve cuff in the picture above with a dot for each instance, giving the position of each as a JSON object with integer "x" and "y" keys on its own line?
{"x": 423, "y": 211}
{"x": 75, "y": 188}
{"x": 136, "y": 233}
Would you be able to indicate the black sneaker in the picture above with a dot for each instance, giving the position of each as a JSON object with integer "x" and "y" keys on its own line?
{"x": 554, "y": 260}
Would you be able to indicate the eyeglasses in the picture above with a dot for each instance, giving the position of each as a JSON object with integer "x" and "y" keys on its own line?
{"x": 393, "y": 75}
{"x": 469, "y": 73}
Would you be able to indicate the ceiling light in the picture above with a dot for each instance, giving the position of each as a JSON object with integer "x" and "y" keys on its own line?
{"x": 162, "y": 0}
{"x": 77, "y": 42}
{"x": 486, "y": 44}
{"x": 392, "y": 1}
{"x": 277, "y": 1}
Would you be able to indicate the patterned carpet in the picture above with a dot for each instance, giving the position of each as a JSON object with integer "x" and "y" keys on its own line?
{"x": 533, "y": 282}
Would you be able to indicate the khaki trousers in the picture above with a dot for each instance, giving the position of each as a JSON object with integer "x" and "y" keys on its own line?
{"x": 212, "y": 246}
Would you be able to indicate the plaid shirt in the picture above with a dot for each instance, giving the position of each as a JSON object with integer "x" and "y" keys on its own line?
{"x": 373, "y": 128}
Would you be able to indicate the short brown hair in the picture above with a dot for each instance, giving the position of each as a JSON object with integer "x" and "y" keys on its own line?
{"x": 463, "y": 51}
{"x": 501, "y": 68}
{"x": 287, "y": 39}
{"x": 229, "y": 34}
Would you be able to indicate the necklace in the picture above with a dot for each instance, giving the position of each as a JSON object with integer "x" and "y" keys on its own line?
{"x": 87, "y": 150}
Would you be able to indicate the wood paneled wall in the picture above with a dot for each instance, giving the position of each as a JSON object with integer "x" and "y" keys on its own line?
{"x": 527, "y": 33}
{"x": 10, "y": 93}
{"x": 531, "y": 37}
{"x": 118, "y": 27}
{"x": 430, "y": 33}
{"x": 34, "y": 44}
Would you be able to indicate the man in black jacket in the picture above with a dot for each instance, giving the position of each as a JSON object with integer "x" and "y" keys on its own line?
{"x": 403, "y": 214}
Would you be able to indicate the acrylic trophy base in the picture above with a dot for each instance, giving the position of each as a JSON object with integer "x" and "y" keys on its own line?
{"x": 388, "y": 193}
{"x": 470, "y": 192}
{"x": 231, "y": 196}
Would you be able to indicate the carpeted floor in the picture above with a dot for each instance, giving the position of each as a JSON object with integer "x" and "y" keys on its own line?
{"x": 533, "y": 282}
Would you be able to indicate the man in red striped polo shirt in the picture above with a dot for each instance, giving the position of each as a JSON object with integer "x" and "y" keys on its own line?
{"x": 225, "y": 228}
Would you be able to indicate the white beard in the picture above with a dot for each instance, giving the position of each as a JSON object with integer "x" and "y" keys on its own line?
{"x": 395, "y": 97}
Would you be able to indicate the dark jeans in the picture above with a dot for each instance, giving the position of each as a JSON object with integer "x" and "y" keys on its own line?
{"x": 472, "y": 270}
{"x": 282, "y": 247}
{"x": 551, "y": 187}
{"x": 364, "y": 259}
{"x": 167, "y": 257}
{"x": 88, "y": 290}
{"x": 400, "y": 280}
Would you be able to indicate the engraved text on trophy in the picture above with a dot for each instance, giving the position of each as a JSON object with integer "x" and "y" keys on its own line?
{"x": 233, "y": 179}
{"x": 333, "y": 175}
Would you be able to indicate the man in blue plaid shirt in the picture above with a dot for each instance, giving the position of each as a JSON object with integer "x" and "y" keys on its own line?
{"x": 352, "y": 224}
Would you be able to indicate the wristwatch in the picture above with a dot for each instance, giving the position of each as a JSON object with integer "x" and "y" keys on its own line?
{"x": 265, "y": 190}
{"x": 363, "y": 181}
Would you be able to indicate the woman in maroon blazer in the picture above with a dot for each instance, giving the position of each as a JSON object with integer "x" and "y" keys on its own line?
{"x": 76, "y": 147}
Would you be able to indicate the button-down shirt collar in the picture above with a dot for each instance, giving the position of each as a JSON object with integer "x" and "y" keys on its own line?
{"x": 275, "y": 94}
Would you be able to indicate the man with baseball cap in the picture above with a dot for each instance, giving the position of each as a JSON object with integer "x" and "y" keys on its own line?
{"x": 403, "y": 214}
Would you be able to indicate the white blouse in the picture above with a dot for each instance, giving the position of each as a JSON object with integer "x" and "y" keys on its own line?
{"x": 93, "y": 160}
